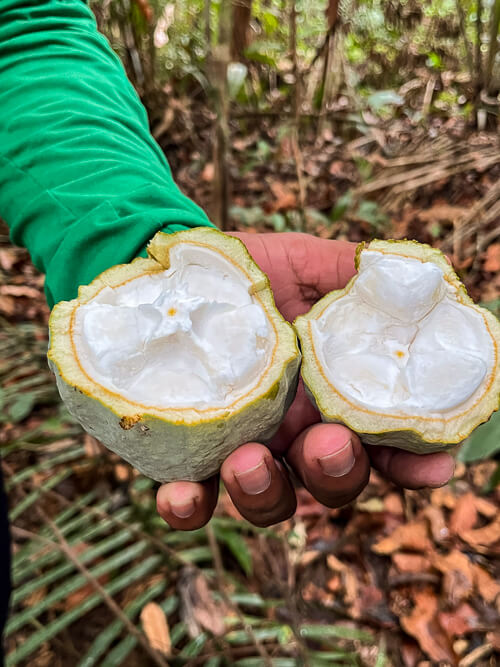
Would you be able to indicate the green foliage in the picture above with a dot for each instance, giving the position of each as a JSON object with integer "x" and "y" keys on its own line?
{"x": 484, "y": 442}
{"x": 136, "y": 560}
{"x": 236, "y": 544}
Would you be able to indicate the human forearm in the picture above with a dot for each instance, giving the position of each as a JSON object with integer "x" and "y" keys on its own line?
{"x": 83, "y": 185}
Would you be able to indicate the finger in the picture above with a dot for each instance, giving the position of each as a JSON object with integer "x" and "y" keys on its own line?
{"x": 412, "y": 471}
{"x": 321, "y": 264}
{"x": 187, "y": 505}
{"x": 258, "y": 485}
{"x": 300, "y": 415}
{"x": 331, "y": 462}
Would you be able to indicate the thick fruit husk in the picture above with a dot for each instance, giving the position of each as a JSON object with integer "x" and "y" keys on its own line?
{"x": 176, "y": 443}
{"x": 418, "y": 434}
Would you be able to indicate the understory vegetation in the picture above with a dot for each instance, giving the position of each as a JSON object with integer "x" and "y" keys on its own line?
{"x": 348, "y": 119}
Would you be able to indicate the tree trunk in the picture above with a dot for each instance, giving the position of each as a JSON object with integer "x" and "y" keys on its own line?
{"x": 242, "y": 13}
{"x": 218, "y": 60}
{"x": 493, "y": 46}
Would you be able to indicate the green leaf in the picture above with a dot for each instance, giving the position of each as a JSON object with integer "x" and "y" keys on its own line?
{"x": 120, "y": 652}
{"x": 333, "y": 659}
{"x": 35, "y": 639}
{"x": 277, "y": 221}
{"x": 48, "y": 464}
{"x": 248, "y": 216}
{"x": 270, "y": 22}
{"x": 251, "y": 600}
{"x": 494, "y": 306}
{"x": 263, "y": 51}
{"x": 434, "y": 60}
{"x": 383, "y": 98}
{"x": 237, "y": 546}
{"x": 194, "y": 647}
{"x": 240, "y": 637}
{"x": 105, "y": 638}
{"x": 341, "y": 206}
{"x": 320, "y": 632}
{"x": 275, "y": 662}
{"x": 371, "y": 213}
{"x": 22, "y": 406}
{"x": 215, "y": 661}
{"x": 484, "y": 443}
{"x": 34, "y": 495}
{"x": 100, "y": 549}
{"x": 70, "y": 585}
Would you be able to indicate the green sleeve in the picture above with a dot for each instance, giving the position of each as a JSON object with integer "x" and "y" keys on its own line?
{"x": 83, "y": 185}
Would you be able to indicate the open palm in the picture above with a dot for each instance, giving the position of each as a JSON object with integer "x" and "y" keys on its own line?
{"x": 329, "y": 459}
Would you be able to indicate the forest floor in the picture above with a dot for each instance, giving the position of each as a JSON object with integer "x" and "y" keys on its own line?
{"x": 397, "y": 577}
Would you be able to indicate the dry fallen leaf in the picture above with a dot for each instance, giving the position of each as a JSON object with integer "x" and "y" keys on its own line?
{"x": 393, "y": 503}
{"x": 488, "y": 588}
{"x": 422, "y": 624}
{"x": 92, "y": 446}
{"x": 494, "y": 639}
{"x": 464, "y": 516}
{"x": 7, "y": 305}
{"x": 20, "y": 290}
{"x": 410, "y": 653}
{"x": 458, "y": 581}
{"x": 199, "y": 610}
{"x": 412, "y": 536}
{"x": 443, "y": 497}
{"x": 8, "y": 257}
{"x": 349, "y": 582}
{"x": 485, "y": 507}
{"x": 460, "y": 621}
{"x": 442, "y": 212}
{"x": 486, "y": 536}
{"x": 437, "y": 523}
{"x": 309, "y": 557}
{"x": 492, "y": 259}
{"x": 207, "y": 174}
{"x": 155, "y": 625}
{"x": 410, "y": 563}
{"x": 284, "y": 198}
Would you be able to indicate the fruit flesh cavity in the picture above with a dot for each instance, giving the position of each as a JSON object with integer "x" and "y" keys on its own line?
{"x": 192, "y": 335}
{"x": 399, "y": 343}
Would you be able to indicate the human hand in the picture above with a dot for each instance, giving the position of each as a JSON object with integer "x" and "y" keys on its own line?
{"x": 329, "y": 459}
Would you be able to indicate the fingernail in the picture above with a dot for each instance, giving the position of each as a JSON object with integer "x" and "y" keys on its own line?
{"x": 255, "y": 480}
{"x": 339, "y": 463}
{"x": 183, "y": 510}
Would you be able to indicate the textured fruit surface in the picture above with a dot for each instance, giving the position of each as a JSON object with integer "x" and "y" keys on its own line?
{"x": 176, "y": 360}
{"x": 402, "y": 355}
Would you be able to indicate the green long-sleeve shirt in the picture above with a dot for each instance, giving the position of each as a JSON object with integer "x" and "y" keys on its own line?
{"x": 83, "y": 185}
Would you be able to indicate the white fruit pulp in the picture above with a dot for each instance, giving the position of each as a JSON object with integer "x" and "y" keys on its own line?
{"x": 399, "y": 341}
{"x": 189, "y": 336}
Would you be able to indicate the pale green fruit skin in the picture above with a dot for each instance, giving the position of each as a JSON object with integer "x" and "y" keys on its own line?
{"x": 167, "y": 451}
{"x": 409, "y": 433}
{"x": 170, "y": 444}
{"x": 408, "y": 440}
